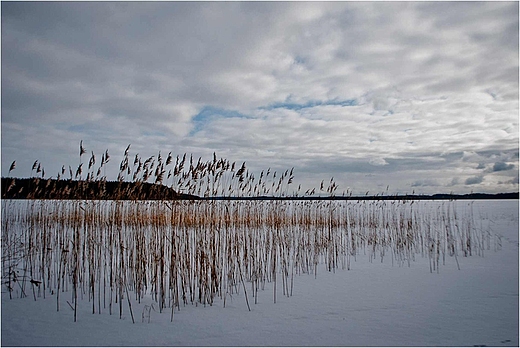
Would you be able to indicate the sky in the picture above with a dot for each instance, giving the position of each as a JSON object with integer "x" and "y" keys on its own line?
{"x": 395, "y": 97}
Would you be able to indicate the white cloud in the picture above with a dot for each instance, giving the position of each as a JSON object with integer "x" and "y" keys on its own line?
{"x": 378, "y": 162}
{"x": 434, "y": 86}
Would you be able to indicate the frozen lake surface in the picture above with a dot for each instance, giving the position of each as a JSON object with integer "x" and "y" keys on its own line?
{"x": 373, "y": 304}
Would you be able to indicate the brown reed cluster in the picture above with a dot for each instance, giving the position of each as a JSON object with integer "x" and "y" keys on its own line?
{"x": 183, "y": 252}
{"x": 184, "y": 175}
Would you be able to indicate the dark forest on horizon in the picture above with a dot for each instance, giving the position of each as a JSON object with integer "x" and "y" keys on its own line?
{"x": 35, "y": 188}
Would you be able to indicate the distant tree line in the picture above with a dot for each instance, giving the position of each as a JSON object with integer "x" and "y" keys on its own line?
{"x": 404, "y": 197}
{"x": 35, "y": 188}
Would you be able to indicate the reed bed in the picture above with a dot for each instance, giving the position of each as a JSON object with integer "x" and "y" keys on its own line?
{"x": 116, "y": 252}
{"x": 190, "y": 252}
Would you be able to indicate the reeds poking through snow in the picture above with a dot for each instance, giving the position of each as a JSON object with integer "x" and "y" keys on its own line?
{"x": 191, "y": 252}
{"x": 212, "y": 178}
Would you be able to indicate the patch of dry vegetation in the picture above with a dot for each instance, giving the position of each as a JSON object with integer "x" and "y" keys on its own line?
{"x": 190, "y": 252}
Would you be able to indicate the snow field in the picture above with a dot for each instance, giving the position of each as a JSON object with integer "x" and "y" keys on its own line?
{"x": 372, "y": 304}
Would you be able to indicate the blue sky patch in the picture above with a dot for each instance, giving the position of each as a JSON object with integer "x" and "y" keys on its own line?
{"x": 309, "y": 104}
{"x": 209, "y": 113}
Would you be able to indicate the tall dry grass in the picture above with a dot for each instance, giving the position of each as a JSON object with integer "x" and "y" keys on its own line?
{"x": 192, "y": 252}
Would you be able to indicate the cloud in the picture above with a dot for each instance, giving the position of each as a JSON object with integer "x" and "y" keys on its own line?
{"x": 514, "y": 181}
{"x": 378, "y": 162}
{"x": 501, "y": 166}
{"x": 454, "y": 181}
{"x": 474, "y": 180}
{"x": 420, "y": 183}
{"x": 409, "y": 93}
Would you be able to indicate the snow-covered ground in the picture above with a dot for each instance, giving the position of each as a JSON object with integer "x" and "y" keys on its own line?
{"x": 373, "y": 304}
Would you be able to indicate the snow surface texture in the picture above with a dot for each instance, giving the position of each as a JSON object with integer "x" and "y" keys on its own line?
{"x": 373, "y": 304}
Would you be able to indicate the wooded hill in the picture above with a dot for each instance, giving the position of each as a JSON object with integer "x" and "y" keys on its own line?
{"x": 34, "y": 188}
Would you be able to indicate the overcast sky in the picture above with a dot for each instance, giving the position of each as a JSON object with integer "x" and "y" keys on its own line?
{"x": 417, "y": 96}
